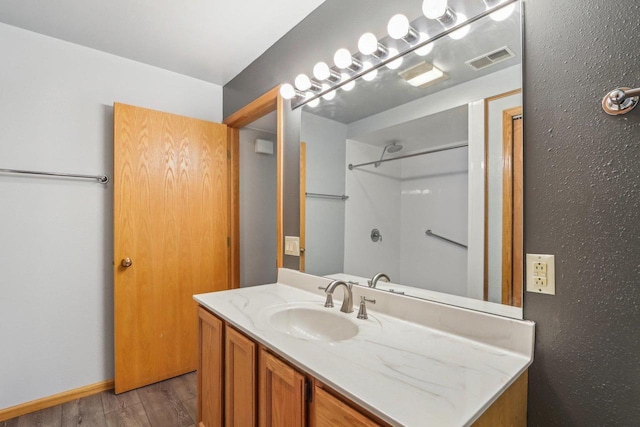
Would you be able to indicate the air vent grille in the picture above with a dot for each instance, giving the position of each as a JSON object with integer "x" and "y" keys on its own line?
{"x": 491, "y": 58}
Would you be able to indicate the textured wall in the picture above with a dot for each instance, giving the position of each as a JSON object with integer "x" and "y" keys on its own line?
{"x": 582, "y": 203}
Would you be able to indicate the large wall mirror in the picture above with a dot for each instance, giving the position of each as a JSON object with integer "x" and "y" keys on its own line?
{"x": 415, "y": 170}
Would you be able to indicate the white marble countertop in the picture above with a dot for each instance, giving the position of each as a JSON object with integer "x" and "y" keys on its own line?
{"x": 406, "y": 373}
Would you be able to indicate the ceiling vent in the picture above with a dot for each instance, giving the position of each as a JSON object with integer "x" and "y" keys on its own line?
{"x": 491, "y": 58}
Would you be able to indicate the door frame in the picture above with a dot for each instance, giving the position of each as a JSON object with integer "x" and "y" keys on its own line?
{"x": 267, "y": 103}
{"x": 303, "y": 204}
{"x": 512, "y": 210}
{"x": 487, "y": 101}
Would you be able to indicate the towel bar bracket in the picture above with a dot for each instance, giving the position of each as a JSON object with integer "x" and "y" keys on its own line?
{"x": 620, "y": 101}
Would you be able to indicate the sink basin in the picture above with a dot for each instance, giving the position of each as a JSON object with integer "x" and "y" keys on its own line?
{"x": 313, "y": 324}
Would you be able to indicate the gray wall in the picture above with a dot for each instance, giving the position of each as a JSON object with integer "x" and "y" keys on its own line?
{"x": 257, "y": 211}
{"x": 582, "y": 194}
{"x": 582, "y": 172}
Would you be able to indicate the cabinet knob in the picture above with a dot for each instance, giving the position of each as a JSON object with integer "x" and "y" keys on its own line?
{"x": 126, "y": 262}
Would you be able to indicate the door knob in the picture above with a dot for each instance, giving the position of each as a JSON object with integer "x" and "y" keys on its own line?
{"x": 126, "y": 262}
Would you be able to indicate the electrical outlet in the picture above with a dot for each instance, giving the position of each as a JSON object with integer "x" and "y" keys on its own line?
{"x": 540, "y": 282}
{"x": 541, "y": 274}
{"x": 540, "y": 269}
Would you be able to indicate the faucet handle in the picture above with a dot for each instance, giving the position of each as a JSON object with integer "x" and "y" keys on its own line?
{"x": 329, "y": 301}
{"x": 362, "y": 312}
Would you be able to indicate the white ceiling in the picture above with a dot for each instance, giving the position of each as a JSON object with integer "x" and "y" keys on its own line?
{"x": 438, "y": 129}
{"x": 212, "y": 40}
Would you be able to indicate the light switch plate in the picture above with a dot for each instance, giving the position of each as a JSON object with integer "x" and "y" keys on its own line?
{"x": 541, "y": 274}
{"x": 292, "y": 245}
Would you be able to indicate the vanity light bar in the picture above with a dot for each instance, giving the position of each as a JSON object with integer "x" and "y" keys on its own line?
{"x": 299, "y": 100}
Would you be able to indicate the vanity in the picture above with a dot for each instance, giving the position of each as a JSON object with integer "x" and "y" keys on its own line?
{"x": 275, "y": 355}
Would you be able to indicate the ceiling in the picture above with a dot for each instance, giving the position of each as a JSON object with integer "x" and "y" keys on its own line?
{"x": 443, "y": 128}
{"x": 211, "y": 40}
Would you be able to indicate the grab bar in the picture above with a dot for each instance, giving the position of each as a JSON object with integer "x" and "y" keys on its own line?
{"x": 327, "y": 196}
{"x": 432, "y": 234}
{"x": 102, "y": 179}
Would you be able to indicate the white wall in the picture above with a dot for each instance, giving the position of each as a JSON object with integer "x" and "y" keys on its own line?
{"x": 56, "y": 251}
{"x": 258, "y": 247}
{"x": 475, "y": 221}
{"x": 434, "y": 196}
{"x": 374, "y": 202}
{"x": 326, "y": 154}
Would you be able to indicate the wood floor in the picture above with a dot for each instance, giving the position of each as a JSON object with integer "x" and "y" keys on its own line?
{"x": 170, "y": 403}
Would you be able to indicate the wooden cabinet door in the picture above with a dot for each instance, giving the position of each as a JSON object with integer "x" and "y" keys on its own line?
{"x": 240, "y": 380}
{"x": 210, "y": 369}
{"x": 330, "y": 411}
{"x": 281, "y": 396}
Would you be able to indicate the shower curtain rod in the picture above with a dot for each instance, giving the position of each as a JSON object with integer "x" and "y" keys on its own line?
{"x": 434, "y": 150}
{"x": 102, "y": 179}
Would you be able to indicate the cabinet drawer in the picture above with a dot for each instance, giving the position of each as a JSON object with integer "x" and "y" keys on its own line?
{"x": 333, "y": 412}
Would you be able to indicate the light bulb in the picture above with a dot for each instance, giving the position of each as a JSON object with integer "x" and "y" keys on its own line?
{"x": 287, "y": 91}
{"x": 434, "y": 9}
{"x": 313, "y": 103}
{"x": 302, "y": 82}
{"x": 367, "y": 44}
{"x": 371, "y": 74}
{"x": 342, "y": 58}
{"x": 321, "y": 71}
{"x": 426, "y": 49}
{"x": 329, "y": 95}
{"x": 349, "y": 85}
{"x": 458, "y": 34}
{"x": 396, "y": 63}
{"x": 398, "y": 26}
{"x": 503, "y": 13}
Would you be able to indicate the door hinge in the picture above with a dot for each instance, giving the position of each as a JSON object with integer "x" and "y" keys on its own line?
{"x": 307, "y": 391}
{"x": 228, "y": 241}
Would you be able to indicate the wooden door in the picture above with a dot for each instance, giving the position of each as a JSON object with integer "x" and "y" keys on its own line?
{"x": 281, "y": 399}
{"x": 239, "y": 380}
{"x": 210, "y": 369}
{"x": 171, "y": 222}
{"x": 512, "y": 206}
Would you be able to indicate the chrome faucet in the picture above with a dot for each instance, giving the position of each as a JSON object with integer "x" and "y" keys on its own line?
{"x": 373, "y": 282}
{"x": 347, "y": 301}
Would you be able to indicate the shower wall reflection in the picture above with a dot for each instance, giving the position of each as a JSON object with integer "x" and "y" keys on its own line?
{"x": 402, "y": 197}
